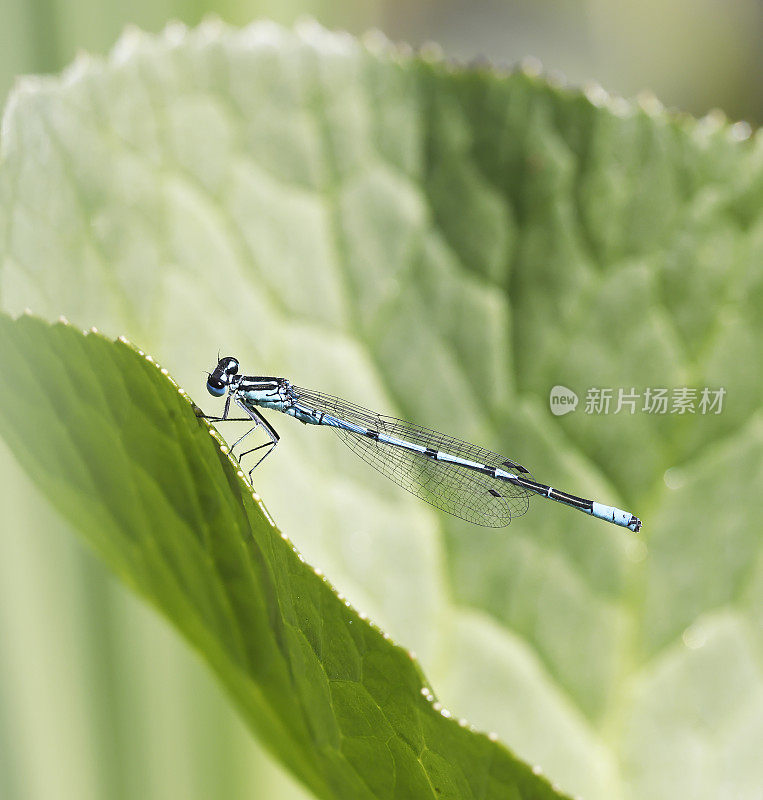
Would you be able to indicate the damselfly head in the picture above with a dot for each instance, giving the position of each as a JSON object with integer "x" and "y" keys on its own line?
{"x": 221, "y": 376}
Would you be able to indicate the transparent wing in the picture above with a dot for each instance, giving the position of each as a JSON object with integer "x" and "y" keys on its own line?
{"x": 463, "y": 492}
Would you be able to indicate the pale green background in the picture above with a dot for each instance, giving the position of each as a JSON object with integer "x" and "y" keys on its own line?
{"x": 694, "y": 54}
{"x": 97, "y": 698}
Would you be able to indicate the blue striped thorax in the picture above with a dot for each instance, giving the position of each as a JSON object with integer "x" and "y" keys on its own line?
{"x": 265, "y": 392}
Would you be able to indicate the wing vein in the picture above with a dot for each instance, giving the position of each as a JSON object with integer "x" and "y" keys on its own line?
{"x": 463, "y": 492}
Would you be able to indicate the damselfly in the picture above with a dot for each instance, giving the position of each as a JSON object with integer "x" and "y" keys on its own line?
{"x": 465, "y": 480}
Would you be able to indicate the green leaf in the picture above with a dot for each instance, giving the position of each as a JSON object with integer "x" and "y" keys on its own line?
{"x": 122, "y": 453}
{"x": 446, "y": 245}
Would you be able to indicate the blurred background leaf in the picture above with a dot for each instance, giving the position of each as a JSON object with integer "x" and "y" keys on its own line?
{"x": 360, "y": 222}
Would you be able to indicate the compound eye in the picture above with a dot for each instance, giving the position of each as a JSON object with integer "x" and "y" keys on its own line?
{"x": 231, "y": 366}
{"x": 215, "y": 387}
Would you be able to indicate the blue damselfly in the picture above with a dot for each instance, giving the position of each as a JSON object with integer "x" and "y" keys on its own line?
{"x": 467, "y": 481}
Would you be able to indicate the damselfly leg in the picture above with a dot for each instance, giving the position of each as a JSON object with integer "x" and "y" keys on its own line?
{"x": 270, "y": 432}
{"x": 259, "y": 422}
{"x": 224, "y": 418}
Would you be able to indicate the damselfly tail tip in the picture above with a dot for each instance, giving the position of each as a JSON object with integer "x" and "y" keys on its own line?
{"x": 611, "y": 514}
